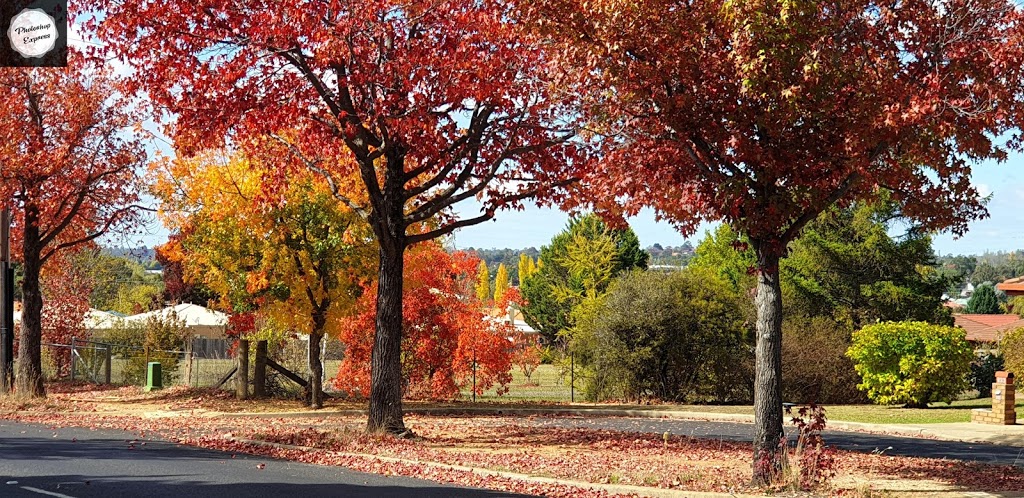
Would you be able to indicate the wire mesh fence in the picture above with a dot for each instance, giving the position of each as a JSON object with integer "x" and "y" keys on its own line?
{"x": 204, "y": 362}
{"x": 199, "y": 363}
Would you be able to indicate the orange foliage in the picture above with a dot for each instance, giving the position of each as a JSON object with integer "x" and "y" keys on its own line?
{"x": 444, "y": 331}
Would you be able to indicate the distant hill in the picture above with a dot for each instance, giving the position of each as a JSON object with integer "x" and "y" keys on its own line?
{"x": 662, "y": 256}
{"x": 143, "y": 255}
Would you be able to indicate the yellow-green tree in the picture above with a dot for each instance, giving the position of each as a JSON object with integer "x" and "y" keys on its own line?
{"x": 526, "y": 268}
{"x": 501, "y": 283}
{"x": 296, "y": 255}
{"x": 483, "y": 282}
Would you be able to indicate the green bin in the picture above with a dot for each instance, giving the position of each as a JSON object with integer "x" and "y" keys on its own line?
{"x": 154, "y": 376}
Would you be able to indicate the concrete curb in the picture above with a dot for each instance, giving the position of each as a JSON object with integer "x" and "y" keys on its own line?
{"x": 622, "y": 489}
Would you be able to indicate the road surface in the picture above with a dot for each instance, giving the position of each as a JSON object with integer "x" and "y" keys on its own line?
{"x": 37, "y": 461}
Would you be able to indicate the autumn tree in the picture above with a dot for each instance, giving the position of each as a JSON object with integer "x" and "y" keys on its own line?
{"x": 501, "y": 283}
{"x": 428, "y": 104}
{"x": 446, "y": 339}
{"x": 483, "y": 282}
{"x": 67, "y": 172}
{"x": 765, "y": 113}
{"x": 300, "y": 259}
{"x": 526, "y": 268}
{"x": 176, "y": 289}
{"x": 65, "y": 287}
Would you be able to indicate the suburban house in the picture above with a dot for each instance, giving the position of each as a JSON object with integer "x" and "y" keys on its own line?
{"x": 199, "y": 320}
{"x": 1012, "y": 287}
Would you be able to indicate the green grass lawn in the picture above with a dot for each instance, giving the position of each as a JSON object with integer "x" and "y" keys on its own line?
{"x": 545, "y": 385}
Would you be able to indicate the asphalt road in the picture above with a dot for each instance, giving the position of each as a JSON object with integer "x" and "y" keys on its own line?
{"x": 38, "y": 461}
{"x": 856, "y": 441}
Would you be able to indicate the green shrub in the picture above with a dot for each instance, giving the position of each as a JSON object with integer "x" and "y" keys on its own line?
{"x": 911, "y": 363}
{"x": 676, "y": 337}
{"x": 1012, "y": 348}
{"x": 983, "y": 371}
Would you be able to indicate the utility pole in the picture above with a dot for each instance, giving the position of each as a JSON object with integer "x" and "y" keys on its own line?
{"x": 6, "y": 305}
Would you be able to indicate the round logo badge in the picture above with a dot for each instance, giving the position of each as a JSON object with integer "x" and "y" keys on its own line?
{"x": 33, "y": 33}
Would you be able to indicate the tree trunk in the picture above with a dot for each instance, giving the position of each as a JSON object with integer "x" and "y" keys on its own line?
{"x": 385, "y": 413}
{"x": 259, "y": 375}
{"x": 29, "y": 380}
{"x": 315, "y": 388}
{"x": 768, "y": 431}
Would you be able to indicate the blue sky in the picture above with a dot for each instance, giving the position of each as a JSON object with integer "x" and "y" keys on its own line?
{"x": 1002, "y": 231}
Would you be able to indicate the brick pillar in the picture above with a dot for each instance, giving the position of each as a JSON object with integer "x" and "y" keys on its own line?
{"x": 1004, "y": 411}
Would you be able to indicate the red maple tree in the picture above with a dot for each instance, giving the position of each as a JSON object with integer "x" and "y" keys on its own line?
{"x": 764, "y": 113}
{"x": 446, "y": 337}
{"x": 68, "y": 173}
{"x": 429, "y": 103}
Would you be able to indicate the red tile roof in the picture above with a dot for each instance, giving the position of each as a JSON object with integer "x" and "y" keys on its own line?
{"x": 1012, "y": 287}
{"x": 987, "y": 328}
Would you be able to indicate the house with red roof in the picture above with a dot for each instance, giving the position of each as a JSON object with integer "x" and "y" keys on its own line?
{"x": 987, "y": 328}
{"x": 1012, "y": 287}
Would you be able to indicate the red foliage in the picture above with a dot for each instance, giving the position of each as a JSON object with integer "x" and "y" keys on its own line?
{"x": 444, "y": 331}
{"x": 69, "y": 176}
{"x": 66, "y": 289}
{"x": 425, "y": 104}
{"x": 764, "y": 114}
{"x": 240, "y": 324}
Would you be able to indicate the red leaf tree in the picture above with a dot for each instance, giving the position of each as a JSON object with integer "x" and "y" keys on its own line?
{"x": 429, "y": 103}
{"x": 764, "y": 113}
{"x": 446, "y": 338}
{"x": 68, "y": 173}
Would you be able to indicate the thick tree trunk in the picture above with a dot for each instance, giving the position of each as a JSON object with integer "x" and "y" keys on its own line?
{"x": 315, "y": 388}
{"x": 29, "y": 381}
{"x": 259, "y": 374}
{"x": 386, "y": 376}
{"x": 768, "y": 431}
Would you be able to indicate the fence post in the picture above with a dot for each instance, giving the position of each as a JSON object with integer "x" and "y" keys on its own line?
{"x": 189, "y": 356}
{"x": 572, "y": 377}
{"x": 242, "y": 376}
{"x": 259, "y": 377}
{"x": 106, "y": 365}
{"x": 72, "y": 359}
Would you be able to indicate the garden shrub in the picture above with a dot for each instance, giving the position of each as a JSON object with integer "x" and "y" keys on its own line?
{"x": 1011, "y": 346}
{"x": 815, "y": 368}
{"x": 983, "y": 371}
{"x": 911, "y": 363}
{"x": 676, "y": 337}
